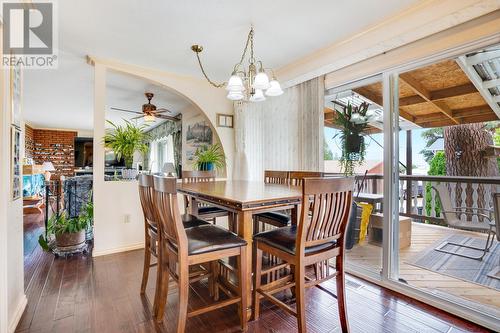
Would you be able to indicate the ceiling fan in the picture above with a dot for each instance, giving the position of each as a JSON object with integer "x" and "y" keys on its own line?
{"x": 149, "y": 111}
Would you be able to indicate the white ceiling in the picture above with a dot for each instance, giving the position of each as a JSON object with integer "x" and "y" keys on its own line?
{"x": 158, "y": 34}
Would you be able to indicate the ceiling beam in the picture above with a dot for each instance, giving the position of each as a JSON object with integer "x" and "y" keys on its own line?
{"x": 482, "y": 57}
{"x": 471, "y": 111}
{"x": 436, "y": 95}
{"x": 496, "y": 98}
{"x": 478, "y": 83}
{"x": 430, "y": 118}
{"x": 426, "y": 94}
{"x": 378, "y": 100}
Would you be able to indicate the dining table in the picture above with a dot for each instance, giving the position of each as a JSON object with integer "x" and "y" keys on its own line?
{"x": 244, "y": 199}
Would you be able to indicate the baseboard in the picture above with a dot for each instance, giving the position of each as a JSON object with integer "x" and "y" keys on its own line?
{"x": 118, "y": 250}
{"x": 18, "y": 314}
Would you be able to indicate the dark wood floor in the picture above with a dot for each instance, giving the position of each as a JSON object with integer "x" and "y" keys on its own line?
{"x": 81, "y": 294}
{"x": 33, "y": 227}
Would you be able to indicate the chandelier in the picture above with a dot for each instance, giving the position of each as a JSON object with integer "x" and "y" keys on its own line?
{"x": 246, "y": 84}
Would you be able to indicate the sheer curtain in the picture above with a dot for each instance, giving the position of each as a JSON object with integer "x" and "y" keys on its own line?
{"x": 282, "y": 133}
{"x": 161, "y": 151}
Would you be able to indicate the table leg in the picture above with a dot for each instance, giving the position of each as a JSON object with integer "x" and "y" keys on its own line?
{"x": 193, "y": 206}
{"x": 245, "y": 226}
{"x": 295, "y": 214}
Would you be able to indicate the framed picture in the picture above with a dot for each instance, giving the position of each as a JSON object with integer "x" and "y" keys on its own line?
{"x": 15, "y": 95}
{"x": 224, "y": 120}
{"x": 15, "y": 165}
{"x": 198, "y": 134}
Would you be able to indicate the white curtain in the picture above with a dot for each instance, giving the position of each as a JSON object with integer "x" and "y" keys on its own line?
{"x": 282, "y": 133}
{"x": 161, "y": 151}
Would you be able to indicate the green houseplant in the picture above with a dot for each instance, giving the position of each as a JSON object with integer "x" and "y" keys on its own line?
{"x": 352, "y": 120}
{"x": 209, "y": 157}
{"x": 67, "y": 234}
{"x": 125, "y": 140}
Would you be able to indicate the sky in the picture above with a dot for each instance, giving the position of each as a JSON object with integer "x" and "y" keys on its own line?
{"x": 375, "y": 152}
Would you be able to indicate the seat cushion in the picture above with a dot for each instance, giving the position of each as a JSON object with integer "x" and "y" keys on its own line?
{"x": 210, "y": 238}
{"x": 280, "y": 218}
{"x": 284, "y": 239}
{"x": 211, "y": 210}
{"x": 191, "y": 221}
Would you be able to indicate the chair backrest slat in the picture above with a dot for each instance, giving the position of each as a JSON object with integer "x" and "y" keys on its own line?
{"x": 327, "y": 220}
{"x": 168, "y": 211}
{"x": 296, "y": 177}
{"x": 146, "y": 197}
{"x": 198, "y": 176}
{"x": 276, "y": 177}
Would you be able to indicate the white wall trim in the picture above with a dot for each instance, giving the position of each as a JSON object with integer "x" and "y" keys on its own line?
{"x": 118, "y": 250}
{"x": 23, "y": 301}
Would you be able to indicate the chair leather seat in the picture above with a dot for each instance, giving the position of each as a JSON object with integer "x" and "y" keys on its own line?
{"x": 284, "y": 239}
{"x": 281, "y": 218}
{"x": 210, "y": 238}
{"x": 210, "y": 210}
{"x": 191, "y": 221}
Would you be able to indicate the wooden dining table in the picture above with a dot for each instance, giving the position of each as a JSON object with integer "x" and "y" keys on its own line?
{"x": 244, "y": 199}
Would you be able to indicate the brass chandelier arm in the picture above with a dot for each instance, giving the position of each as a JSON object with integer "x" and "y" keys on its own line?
{"x": 198, "y": 48}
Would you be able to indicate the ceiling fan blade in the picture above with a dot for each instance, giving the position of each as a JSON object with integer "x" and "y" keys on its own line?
{"x": 161, "y": 110}
{"x": 166, "y": 117}
{"x": 124, "y": 110}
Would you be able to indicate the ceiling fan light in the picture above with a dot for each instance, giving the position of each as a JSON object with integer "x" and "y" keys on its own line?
{"x": 274, "y": 89}
{"x": 149, "y": 118}
{"x": 235, "y": 95}
{"x": 258, "y": 96}
{"x": 261, "y": 81}
{"x": 235, "y": 83}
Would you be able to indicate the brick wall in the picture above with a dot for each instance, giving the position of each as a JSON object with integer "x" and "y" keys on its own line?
{"x": 57, "y": 147}
{"x": 29, "y": 141}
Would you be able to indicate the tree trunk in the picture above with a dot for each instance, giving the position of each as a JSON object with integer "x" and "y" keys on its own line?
{"x": 464, "y": 150}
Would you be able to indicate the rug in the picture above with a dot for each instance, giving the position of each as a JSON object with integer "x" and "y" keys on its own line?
{"x": 466, "y": 269}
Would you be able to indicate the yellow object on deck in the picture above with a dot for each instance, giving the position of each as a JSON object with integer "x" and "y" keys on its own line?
{"x": 366, "y": 211}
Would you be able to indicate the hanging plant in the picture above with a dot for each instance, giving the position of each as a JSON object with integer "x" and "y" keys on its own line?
{"x": 353, "y": 121}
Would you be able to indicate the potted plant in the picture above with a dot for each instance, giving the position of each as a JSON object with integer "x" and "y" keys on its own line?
{"x": 352, "y": 120}
{"x": 64, "y": 234}
{"x": 125, "y": 140}
{"x": 209, "y": 158}
{"x": 87, "y": 214}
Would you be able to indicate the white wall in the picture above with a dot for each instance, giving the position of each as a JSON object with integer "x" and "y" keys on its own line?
{"x": 115, "y": 200}
{"x": 12, "y": 298}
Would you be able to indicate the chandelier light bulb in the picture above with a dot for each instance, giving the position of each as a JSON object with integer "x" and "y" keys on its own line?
{"x": 149, "y": 118}
{"x": 258, "y": 96}
{"x": 235, "y": 95}
{"x": 261, "y": 81}
{"x": 274, "y": 89}
{"x": 235, "y": 83}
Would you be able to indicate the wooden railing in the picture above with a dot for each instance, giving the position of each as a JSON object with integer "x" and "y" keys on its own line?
{"x": 414, "y": 192}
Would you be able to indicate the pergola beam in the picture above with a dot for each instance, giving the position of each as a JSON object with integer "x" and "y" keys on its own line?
{"x": 426, "y": 94}
{"x": 482, "y": 57}
{"x": 491, "y": 83}
{"x": 478, "y": 83}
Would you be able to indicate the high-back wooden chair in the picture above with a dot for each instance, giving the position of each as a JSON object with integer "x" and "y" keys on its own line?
{"x": 276, "y": 177}
{"x": 203, "y": 211}
{"x": 184, "y": 247}
{"x": 295, "y": 178}
{"x": 150, "y": 226}
{"x": 318, "y": 237}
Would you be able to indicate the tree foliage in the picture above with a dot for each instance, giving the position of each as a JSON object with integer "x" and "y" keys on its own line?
{"x": 437, "y": 168}
{"x": 430, "y": 136}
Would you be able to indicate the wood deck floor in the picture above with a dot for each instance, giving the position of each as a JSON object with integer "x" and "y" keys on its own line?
{"x": 423, "y": 236}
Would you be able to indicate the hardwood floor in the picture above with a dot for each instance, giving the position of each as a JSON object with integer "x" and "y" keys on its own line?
{"x": 81, "y": 294}
{"x": 32, "y": 227}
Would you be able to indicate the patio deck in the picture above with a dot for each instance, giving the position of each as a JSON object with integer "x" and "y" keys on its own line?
{"x": 423, "y": 236}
